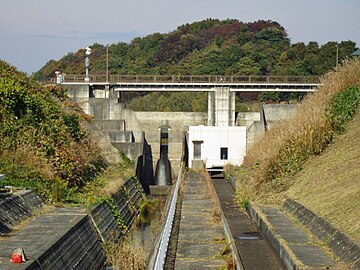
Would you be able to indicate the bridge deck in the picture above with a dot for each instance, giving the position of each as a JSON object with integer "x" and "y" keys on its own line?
{"x": 203, "y": 87}
{"x": 194, "y": 83}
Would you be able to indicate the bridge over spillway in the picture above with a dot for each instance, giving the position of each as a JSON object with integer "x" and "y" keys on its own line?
{"x": 191, "y": 83}
{"x": 221, "y": 89}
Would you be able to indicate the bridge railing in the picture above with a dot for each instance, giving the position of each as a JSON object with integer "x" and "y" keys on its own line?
{"x": 101, "y": 78}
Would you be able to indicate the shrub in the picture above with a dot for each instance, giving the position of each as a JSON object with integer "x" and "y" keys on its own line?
{"x": 342, "y": 107}
{"x": 42, "y": 143}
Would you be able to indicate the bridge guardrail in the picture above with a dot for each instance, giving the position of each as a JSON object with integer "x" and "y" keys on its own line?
{"x": 101, "y": 78}
{"x": 165, "y": 236}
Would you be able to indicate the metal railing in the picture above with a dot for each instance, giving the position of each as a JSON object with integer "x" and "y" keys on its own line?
{"x": 165, "y": 236}
{"x": 101, "y": 78}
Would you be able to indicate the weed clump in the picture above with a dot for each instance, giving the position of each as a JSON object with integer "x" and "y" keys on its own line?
{"x": 125, "y": 255}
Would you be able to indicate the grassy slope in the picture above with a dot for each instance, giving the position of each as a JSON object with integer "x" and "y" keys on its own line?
{"x": 294, "y": 159}
{"x": 330, "y": 184}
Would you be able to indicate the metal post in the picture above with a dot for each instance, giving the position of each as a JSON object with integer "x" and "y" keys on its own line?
{"x": 107, "y": 63}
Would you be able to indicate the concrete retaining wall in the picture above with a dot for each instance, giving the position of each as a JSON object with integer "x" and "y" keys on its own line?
{"x": 338, "y": 242}
{"x": 79, "y": 246}
{"x": 271, "y": 237}
{"x": 16, "y": 208}
{"x": 125, "y": 201}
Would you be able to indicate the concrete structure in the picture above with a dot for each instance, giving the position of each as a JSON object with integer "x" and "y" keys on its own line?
{"x": 178, "y": 122}
{"x": 221, "y": 107}
{"x": 137, "y": 133}
{"x": 67, "y": 238}
{"x": 217, "y": 145}
{"x": 257, "y": 123}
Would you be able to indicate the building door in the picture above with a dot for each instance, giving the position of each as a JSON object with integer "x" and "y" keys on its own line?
{"x": 197, "y": 149}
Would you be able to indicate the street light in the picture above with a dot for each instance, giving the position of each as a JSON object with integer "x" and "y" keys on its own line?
{"x": 87, "y": 63}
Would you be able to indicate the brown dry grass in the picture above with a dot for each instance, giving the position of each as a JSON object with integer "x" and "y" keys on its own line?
{"x": 330, "y": 184}
{"x": 212, "y": 195}
{"x": 125, "y": 255}
{"x": 308, "y": 133}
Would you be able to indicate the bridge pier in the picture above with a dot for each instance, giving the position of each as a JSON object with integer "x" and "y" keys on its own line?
{"x": 221, "y": 107}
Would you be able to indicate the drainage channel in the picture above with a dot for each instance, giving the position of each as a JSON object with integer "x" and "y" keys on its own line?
{"x": 255, "y": 251}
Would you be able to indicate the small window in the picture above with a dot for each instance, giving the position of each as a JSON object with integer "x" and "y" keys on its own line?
{"x": 223, "y": 153}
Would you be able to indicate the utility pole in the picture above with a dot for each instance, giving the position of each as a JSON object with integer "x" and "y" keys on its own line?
{"x": 107, "y": 63}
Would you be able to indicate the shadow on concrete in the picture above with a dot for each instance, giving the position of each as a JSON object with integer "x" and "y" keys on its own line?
{"x": 145, "y": 169}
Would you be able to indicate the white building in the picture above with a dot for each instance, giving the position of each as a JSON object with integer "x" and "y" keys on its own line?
{"x": 216, "y": 145}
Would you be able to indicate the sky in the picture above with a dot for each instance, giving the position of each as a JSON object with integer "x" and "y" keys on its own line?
{"x": 32, "y": 32}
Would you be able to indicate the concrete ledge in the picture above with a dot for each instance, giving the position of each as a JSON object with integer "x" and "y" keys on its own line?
{"x": 339, "y": 243}
{"x": 160, "y": 190}
{"x": 279, "y": 248}
{"x": 230, "y": 238}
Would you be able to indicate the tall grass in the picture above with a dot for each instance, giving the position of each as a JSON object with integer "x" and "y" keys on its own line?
{"x": 125, "y": 255}
{"x": 287, "y": 146}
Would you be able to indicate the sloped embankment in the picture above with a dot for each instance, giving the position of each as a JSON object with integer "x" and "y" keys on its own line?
{"x": 313, "y": 158}
{"x": 329, "y": 184}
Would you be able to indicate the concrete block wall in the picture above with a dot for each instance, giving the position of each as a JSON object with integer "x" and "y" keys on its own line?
{"x": 16, "y": 208}
{"x": 221, "y": 107}
{"x": 80, "y": 247}
{"x": 126, "y": 201}
{"x": 339, "y": 243}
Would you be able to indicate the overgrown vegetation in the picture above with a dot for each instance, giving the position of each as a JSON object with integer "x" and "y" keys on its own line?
{"x": 43, "y": 144}
{"x": 209, "y": 47}
{"x": 125, "y": 255}
{"x": 147, "y": 209}
{"x": 270, "y": 165}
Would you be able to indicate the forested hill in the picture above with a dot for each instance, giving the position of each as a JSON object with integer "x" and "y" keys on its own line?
{"x": 209, "y": 47}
